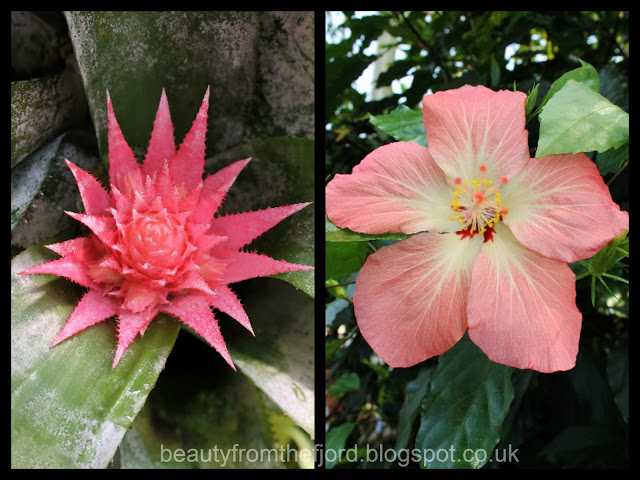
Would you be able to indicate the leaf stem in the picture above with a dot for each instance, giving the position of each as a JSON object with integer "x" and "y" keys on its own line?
{"x": 618, "y": 173}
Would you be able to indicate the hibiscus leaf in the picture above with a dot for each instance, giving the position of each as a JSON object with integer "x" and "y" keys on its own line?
{"x": 193, "y": 420}
{"x": 618, "y": 373}
{"x": 335, "y": 234}
{"x": 577, "y": 119}
{"x": 403, "y": 124}
{"x": 585, "y": 74}
{"x": 335, "y": 446}
{"x": 280, "y": 173}
{"x": 347, "y": 382}
{"x": 414, "y": 392}
{"x": 344, "y": 258}
{"x": 69, "y": 408}
{"x": 462, "y": 414}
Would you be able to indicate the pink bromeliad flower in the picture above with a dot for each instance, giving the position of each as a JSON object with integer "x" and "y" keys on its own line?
{"x": 494, "y": 230}
{"x": 155, "y": 244}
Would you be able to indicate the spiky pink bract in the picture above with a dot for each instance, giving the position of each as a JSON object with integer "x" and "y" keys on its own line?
{"x": 492, "y": 230}
{"x": 155, "y": 245}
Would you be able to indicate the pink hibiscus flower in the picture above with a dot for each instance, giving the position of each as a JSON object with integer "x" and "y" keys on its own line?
{"x": 156, "y": 245}
{"x": 494, "y": 230}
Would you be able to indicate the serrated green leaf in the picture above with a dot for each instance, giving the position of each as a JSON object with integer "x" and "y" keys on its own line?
{"x": 530, "y": 104}
{"x": 414, "y": 392}
{"x": 335, "y": 445}
{"x": 345, "y": 383}
{"x": 469, "y": 398}
{"x": 610, "y": 255}
{"x": 584, "y": 74}
{"x": 612, "y": 160}
{"x": 69, "y": 408}
{"x": 335, "y": 234}
{"x": 577, "y": 119}
{"x": 403, "y": 124}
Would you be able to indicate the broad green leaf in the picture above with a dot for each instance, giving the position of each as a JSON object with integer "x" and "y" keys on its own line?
{"x": 27, "y": 179}
{"x": 335, "y": 234}
{"x": 43, "y": 108}
{"x": 56, "y": 192}
{"x": 587, "y": 446}
{"x": 347, "y": 382}
{"x": 612, "y": 160}
{"x": 414, "y": 392}
{"x": 469, "y": 398}
{"x": 280, "y": 358}
{"x": 335, "y": 445}
{"x": 403, "y": 124}
{"x": 577, "y": 119}
{"x": 69, "y": 408}
{"x": 258, "y": 65}
{"x": 343, "y": 258}
{"x": 134, "y": 55}
{"x": 281, "y": 172}
{"x": 193, "y": 420}
{"x": 618, "y": 373}
{"x": 585, "y": 74}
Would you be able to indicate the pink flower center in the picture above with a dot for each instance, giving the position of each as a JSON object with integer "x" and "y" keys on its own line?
{"x": 477, "y": 205}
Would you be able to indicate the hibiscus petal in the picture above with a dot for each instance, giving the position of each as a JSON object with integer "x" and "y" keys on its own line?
{"x": 522, "y": 307}
{"x": 129, "y": 325}
{"x": 95, "y": 198}
{"x": 560, "y": 207}
{"x": 188, "y": 164}
{"x": 122, "y": 161}
{"x": 410, "y": 296}
{"x": 226, "y": 301}
{"x": 473, "y": 126}
{"x": 162, "y": 145}
{"x": 251, "y": 265}
{"x": 194, "y": 311}
{"x": 396, "y": 188}
{"x": 93, "y": 308}
{"x": 242, "y": 228}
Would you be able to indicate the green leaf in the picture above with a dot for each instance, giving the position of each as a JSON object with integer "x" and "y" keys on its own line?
{"x": 347, "y": 382}
{"x": 43, "y": 108}
{"x": 585, "y": 74}
{"x": 333, "y": 309}
{"x": 193, "y": 420}
{"x": 618, "y": 373}
{"x": 610, "y": 255}
{"x": 69, "y": 408}
{"x": 530, "y": 104}
{"x": 27, "y": 179}
{"x": 587, "y": 446}
{"x": 469, "y": 398}
{"x": 577, "y": 119}
{"x": 494, "y": 72}
{"x": 281, "y": 172}
{"x": 279, "y": 359}
{"x": 335, "y": 234}
{"x": 335, "y": 446}
{"x": 414, "y": 392}
{"x": 612, "y": 160}
{"x": 343, "y": 258}
{"x": 403, "y": 124}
